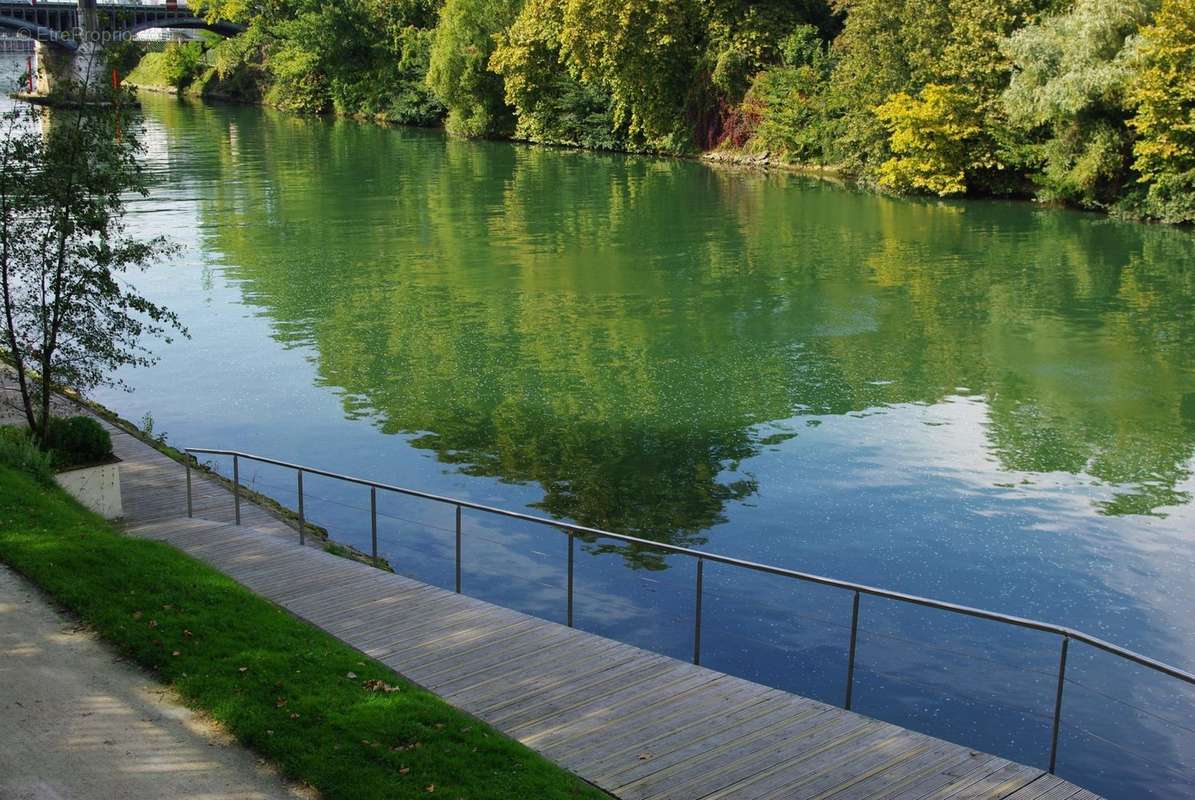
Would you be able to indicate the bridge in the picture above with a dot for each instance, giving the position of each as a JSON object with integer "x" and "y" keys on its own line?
{"x": 70, "y": 34}
{"x": 66, "y": 26}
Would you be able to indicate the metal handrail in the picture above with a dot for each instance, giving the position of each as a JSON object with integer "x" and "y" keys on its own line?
{"x": 858, "y": 589}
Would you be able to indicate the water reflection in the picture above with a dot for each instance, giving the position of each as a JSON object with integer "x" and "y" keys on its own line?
{"x": 617, "y": 330}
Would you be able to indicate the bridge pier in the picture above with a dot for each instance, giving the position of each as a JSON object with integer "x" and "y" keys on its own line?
{"x": 56, "y": 66}
{"x": 81, "y": 66}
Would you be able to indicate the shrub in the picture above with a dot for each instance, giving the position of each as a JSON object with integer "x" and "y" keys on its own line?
{"x": 77, "y": 441}
{"x": 19, "y": 451}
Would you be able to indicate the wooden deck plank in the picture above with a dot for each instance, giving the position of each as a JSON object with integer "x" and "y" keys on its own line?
{"x": 804, "y": 740}
{"x": 641, "y": 725}
{"x": 892, "y": 778}
{"x": 638, "y": 758}
{"x": 715, "y": 701}
{"x": 792, "y": 776}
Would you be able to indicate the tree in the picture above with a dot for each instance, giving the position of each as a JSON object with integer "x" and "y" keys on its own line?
{"x": 459, "y": 66}
{"x": 933, "y": 140}
{"x": 551, "y": 105}
{"x": 1164, "y": 96}
{"x": 69, "y": 318}
{"x": 642, "y": 53}
{"x": 1071, "y": 75}
{"x": 181, "y": 62}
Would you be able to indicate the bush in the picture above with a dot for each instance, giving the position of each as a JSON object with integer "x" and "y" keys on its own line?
{"x": 77, "y": 442}
{"x": 19, "y": 451}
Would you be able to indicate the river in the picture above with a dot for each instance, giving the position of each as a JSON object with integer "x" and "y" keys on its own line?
{"x": 988, "y": 403}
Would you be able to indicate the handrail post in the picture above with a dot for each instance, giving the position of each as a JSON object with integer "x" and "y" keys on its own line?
{"x": 302, "y": 516}
{"x": 850, "y": 664}
{"x": 697, "y": 612}
{"x": 373, "y": 520}
{"x": 1066, "y": 640}
{"x": 236, "y": 487}
{"x": 190, "y": 506}
{"x": 458, "y": 549}
{"x": 571, "y": 538}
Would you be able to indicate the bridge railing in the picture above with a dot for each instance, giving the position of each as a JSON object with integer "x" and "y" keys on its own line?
{"x": 858, "y": 590}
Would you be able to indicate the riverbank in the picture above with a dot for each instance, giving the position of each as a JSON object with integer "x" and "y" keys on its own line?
{"x": 325, "y": 714}
{"x": 208, "y": 87}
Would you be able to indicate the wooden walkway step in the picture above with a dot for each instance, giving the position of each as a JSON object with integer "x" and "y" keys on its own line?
{"x": 640, "y": 725}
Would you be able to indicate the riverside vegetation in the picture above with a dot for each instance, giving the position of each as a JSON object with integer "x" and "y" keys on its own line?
{"x": 1083, "y": 102}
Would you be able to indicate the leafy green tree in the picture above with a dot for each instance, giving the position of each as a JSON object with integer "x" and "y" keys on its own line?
{"x": 1068, "y": 96}
{"x": 1164, "y": 95}
{"x": 354, "y": 57}
{"x": 674, "y": 69}
{"x": 181, "y": 63}
{"x": 889, "y": 48}
{"x": 886, "y": 47}
{"x": 642, "y": 52}
{"x": 458, "y": 67}
{"x": 69, "y": 318}
{"x": 551, "y": 105}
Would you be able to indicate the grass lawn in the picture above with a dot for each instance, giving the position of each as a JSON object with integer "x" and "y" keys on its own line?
{"x": 314, "y": 706}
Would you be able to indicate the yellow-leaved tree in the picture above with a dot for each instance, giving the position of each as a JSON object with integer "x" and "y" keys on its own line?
{"x": 934, "y": 139}
{"x": 1164, "y": 95}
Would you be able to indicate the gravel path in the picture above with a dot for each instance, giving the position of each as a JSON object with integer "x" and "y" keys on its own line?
{"x": 77, "y": 723}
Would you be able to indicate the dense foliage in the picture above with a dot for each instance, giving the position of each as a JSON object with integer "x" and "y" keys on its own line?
{"x": 77, "y": 442}
{"x": 1164, "y": 96}
{"x": 1086, "y": 102}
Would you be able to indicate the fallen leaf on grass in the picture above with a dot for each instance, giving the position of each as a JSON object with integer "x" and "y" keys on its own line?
{"x": 380, "y": 686}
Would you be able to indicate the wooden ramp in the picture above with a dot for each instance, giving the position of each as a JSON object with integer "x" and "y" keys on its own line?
{"x": 637, "y": 724}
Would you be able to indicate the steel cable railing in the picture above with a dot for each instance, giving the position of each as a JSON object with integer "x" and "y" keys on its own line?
{"x": 574, "y": 532}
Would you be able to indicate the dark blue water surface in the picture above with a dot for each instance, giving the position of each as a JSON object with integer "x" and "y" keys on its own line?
{"x": 991, "y": 404}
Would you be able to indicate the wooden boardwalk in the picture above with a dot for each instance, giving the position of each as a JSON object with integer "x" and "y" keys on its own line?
{"x": 637, "y": 724}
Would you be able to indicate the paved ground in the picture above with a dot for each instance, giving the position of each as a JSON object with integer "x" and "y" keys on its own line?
{"x": 76, "y": 723}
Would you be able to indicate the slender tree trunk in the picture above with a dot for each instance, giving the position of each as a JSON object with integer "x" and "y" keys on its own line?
{"x": 6, "y": 287}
